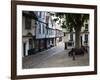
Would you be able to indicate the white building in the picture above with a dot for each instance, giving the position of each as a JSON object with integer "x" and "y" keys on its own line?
{"x": 84, "y": 36}
{"x": 28, "y": 32}
{"x": 39, "y": 32}
{"x": 54, "y": 31}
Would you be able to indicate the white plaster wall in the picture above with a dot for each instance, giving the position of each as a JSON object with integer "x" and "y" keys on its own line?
{"x": 25, "y": 40}
{"x": 25, "y": 31}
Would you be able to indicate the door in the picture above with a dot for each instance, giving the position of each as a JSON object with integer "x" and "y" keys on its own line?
{"x": 24, "y": 49}
{"x": 81, "y": 40}
{"x": 30, "y": 43}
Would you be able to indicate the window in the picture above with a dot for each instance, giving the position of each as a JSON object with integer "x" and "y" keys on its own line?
{"x": 43, "y": 28}
{"x": 39, "y": 27}
{"x": 40, "y": 14}
{"x": 64, "y": 33}
{"x": 86, "y": 27}
{"x": 71, "y": 37}
{"x": 27, "y": 23}
{"x": 86, "y": 38}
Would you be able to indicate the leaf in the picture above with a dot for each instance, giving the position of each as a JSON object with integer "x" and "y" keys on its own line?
{"x": 55, "y": 19}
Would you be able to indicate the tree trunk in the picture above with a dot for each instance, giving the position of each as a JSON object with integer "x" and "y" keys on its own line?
{"x": 77, "y": 37}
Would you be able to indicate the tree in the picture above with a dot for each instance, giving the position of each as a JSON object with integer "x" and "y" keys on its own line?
{"x": 73, "y": 20}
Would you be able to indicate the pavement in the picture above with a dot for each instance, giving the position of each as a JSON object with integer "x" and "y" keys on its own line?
{"x": 54, "y": 57}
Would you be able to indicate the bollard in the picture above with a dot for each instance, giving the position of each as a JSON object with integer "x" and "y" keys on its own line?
{"x": 73, "y": 55}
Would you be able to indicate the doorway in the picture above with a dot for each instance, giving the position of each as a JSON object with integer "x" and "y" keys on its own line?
{"x": 24, "y": 49}
{"x": 81, "y": 40}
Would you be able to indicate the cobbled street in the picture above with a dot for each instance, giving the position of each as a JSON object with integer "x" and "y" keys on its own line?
{"x": 54, "y": 57}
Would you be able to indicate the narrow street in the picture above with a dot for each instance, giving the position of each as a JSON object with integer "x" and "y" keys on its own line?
{"x": 54, "y": 57}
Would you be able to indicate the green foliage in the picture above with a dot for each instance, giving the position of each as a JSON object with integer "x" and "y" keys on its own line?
{"x": 63, "y": 26}
{"x": 73, "y": 20}
{"x": 76, "y": 20}
{"x": 56, "y": 19}
{"x": 60, "y": 15}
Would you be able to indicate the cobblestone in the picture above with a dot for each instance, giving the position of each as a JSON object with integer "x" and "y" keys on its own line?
{"x": 54, "y": 57}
